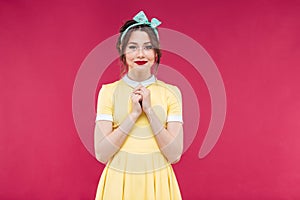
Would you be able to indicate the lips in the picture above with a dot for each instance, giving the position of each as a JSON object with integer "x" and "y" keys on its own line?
{"x": 140, "y": 62}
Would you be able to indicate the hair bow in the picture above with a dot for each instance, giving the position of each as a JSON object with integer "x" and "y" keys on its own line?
{"x": 141, "y": 18}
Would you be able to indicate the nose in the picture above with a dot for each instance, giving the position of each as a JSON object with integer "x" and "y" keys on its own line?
{"x": 140, "y": 52}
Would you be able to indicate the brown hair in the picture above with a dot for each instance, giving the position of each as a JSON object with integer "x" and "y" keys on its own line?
{"x": 121, "y": 45}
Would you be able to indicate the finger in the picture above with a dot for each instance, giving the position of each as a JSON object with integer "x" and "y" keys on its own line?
{"x": 139, "y": 97}
{"x": 139, "y": 92}
{"x": 136, "y": 97}
{"x": 138, "y": 87}
{"x": 143, "y": 93}
{"x": 133, "y": 95}
{"x": 145, "y": 90}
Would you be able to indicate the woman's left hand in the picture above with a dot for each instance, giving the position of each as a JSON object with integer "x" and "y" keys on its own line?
{"x": 146, "y": 100}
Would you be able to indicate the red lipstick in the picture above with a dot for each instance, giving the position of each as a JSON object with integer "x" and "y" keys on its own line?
{"x": 140, "y": 62}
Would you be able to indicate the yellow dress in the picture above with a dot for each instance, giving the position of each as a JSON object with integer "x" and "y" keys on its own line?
{"x": 138, "y": 171}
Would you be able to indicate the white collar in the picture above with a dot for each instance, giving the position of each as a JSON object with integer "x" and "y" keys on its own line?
{"x": 134, "y": 84}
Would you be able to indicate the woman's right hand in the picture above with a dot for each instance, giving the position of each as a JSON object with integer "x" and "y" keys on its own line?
{"x": 136, "y": 106}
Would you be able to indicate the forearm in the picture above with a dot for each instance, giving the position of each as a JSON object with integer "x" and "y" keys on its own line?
{"x": 170, "y": 145}
{"x": 110, "y": 143}
{"x": 170, "y": 141}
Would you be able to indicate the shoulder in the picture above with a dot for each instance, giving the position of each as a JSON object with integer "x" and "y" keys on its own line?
{"x": 170, "y": 88}
{"x": 110, "y": 86}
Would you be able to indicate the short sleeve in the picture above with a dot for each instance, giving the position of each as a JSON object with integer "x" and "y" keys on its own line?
{"x": 105, "y": 104}
{"x": 174, "y": 101}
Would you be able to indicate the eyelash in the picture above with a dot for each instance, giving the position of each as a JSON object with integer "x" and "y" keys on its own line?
{"x": 133, "y": 47}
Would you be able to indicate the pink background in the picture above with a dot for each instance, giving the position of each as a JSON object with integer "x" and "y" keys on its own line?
{"x": 254, "y": 44}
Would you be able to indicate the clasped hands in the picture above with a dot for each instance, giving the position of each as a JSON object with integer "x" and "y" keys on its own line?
{"x": 140, "y": 94}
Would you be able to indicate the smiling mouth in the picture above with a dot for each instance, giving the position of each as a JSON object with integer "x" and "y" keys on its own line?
{"x": 140, "y": 62}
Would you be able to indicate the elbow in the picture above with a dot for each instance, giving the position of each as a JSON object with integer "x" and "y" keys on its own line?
{"x": 101, "y": 158}
{"x": 104, "y": 151}
{"x": 100, "y": 154}
{"x": 174, "y": 158}
{"x": 172, "y": 155}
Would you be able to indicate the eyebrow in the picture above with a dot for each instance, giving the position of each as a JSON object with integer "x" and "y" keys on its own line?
{"x": 137, "y": 43}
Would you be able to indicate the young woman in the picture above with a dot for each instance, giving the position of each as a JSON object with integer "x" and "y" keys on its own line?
{"x": 138, "y": 132}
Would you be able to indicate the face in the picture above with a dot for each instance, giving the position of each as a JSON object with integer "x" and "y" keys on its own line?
{"x": 139, "y": 52}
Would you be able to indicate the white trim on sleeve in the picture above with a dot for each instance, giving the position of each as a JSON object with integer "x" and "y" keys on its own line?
{"x": 176, "y": 118}
{"x": 104, "y": 117}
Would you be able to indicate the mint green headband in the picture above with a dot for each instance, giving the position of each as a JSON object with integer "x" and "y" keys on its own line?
{"x": 141, "y": 18}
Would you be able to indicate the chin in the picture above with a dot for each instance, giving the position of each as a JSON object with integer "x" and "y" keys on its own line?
{"x": 141, "y": 67}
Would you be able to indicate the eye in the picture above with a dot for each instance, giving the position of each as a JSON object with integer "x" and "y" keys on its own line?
{"x": 132, "y": 47}
{"x": 148, "y": 47}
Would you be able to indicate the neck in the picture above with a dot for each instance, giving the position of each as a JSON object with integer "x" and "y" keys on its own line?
{"x": 137, "y": 76}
